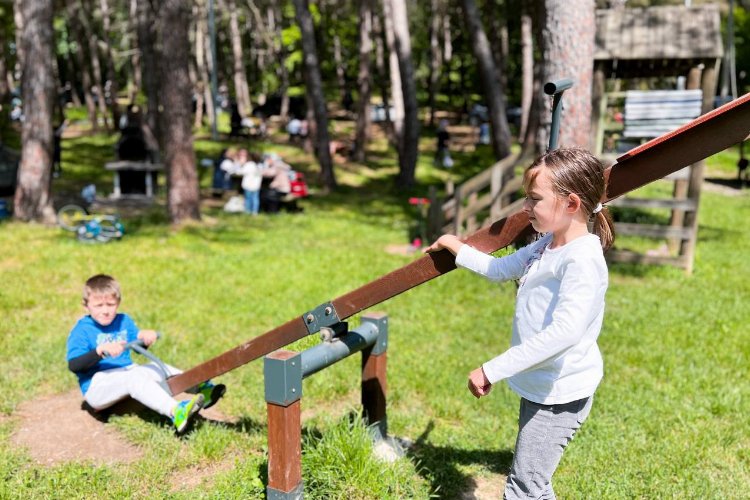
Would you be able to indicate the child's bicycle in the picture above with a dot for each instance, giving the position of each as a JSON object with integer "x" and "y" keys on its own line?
{"x": 90, "y": 228}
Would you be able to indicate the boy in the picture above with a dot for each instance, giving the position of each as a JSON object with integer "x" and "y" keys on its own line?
{"x": 96, "y": 354}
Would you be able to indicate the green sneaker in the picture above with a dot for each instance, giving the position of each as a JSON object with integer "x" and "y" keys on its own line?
{"x": 211, "y": 393}
{"x": 185, "y": 410}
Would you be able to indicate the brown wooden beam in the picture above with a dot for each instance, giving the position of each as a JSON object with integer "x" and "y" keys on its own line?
{"x": 704, "y": 136}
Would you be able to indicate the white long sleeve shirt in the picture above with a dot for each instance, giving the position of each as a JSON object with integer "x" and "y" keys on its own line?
{"x": 553, "y": 357}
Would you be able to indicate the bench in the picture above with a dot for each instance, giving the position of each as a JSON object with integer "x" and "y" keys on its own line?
{"x": 650, "y": 114}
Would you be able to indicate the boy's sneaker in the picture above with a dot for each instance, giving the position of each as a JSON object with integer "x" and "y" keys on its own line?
{"x": 211, "y": 393}
{"x": 185, "y": 410}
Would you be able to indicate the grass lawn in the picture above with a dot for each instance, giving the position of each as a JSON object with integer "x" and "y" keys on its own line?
{"x": 669, "y": 420}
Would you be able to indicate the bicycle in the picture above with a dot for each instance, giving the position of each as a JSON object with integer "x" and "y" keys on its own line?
{"x": 90, "y": 228}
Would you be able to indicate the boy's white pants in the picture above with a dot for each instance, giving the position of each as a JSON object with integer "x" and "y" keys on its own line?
{"x": 140, "y": 382}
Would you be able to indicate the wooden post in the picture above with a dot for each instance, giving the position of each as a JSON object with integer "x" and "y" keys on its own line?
{"x": 284, "y": 447}
{"x": 283, "y": 385}
{"x": 374, "y": 385}
{"x": 598, "y": 109}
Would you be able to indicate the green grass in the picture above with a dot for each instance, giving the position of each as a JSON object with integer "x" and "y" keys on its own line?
{"x": 669, "y": 420}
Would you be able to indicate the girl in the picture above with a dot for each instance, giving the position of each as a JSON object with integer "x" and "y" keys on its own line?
{"x": 553, "y": 363}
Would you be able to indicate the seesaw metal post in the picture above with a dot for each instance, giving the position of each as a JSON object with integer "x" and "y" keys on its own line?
{"x": 283, "y": 372}
{"x": 555, "y": 89}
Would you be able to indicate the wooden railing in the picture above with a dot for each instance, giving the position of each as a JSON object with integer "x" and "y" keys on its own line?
{"x": 476, "y": 202}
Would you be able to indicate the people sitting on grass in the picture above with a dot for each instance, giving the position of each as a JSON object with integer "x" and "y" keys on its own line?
{"x": 223, "y": 170}
{"x": 106, "y": 374}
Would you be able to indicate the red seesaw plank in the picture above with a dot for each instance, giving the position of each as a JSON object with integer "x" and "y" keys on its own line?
{"x": 704, "y": 136}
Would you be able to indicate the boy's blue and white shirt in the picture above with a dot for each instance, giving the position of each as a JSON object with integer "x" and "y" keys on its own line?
{"x": 87, "y": 334}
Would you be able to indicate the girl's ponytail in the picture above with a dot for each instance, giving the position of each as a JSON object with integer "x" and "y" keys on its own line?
{"x": 604, "y": 228}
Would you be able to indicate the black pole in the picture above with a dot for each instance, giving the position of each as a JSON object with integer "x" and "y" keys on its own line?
{"x": 556, "y": 89}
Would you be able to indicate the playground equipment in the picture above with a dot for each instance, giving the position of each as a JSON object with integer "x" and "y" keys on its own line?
{"x": 702, "y": 137}
{"x": 90, "y": 228}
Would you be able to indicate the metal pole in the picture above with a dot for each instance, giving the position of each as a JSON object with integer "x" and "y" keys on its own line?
{"x": 214, "y": 82}
{"x": 556, "y": 89}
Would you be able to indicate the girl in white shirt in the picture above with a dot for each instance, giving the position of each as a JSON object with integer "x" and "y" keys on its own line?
{"x": 553, "y": 363}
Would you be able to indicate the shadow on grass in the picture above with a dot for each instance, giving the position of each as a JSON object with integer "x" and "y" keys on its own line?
{"x": 244, "y": 425}
{"x": 439, "y": 464}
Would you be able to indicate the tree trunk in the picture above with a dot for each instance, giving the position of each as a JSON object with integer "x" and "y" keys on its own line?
{"x": 111, "y": 74}
{"x": 4, "y": 84}
{"x": 410, "y": 139}
{"x": 493, "y": 90}
{"x": 364, "y": 80}
{"x": 147, "y": 31}
{"x": 314, "y": 88}
{"x": 135, "y": 60}
{"x": 397, "y": 97}
{"x": 92, "y": 39}
{"x": 379, "y": 32}
{"x": 434, "y": 58}
{"x": 278, "y": 52}
{"x": 74, "y": 20}
{"x": 202, "y": 58}
{"x": 33, "y": 196}
{"x": 340, "y": 69}
{"x": 567, "y": 47}
{"x": 241, "y": 89}
{"x": 183, "y": 197}
{"x": 527, "y": 72}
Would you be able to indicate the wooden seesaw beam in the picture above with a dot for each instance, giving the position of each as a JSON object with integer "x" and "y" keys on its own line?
{"x": 702, "y": 137}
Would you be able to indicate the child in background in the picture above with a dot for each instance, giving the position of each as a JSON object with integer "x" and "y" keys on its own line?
{"x": 250, "y": 171}
{"x": 96, "y": 354}
{"x": 553, "y": 363}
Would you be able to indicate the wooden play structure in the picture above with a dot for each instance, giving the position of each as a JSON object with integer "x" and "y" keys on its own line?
{"x": 702, "y": 137}
{"x": 641, "y": 46}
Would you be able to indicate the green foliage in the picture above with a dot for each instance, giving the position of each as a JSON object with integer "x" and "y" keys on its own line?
{"x": 340, "y": 464}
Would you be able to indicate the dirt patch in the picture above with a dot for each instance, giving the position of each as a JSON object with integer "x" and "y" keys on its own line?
{"x": 485, "y": 488}
{"x": 196, "y": 476}
{"x": 56, "y": 429}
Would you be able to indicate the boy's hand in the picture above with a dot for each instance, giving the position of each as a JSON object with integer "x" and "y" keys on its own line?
{"x": 111, "y": 349}
{"x": 148, "y": 336}
{"x": 478, "y": 383}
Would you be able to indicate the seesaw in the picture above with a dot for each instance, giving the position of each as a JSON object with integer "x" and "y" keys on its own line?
{"x": 695, "y": 141}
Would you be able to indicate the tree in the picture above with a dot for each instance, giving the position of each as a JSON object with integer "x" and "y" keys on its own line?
{"x": 32, "y": 198}
{"x": 241, "y": 90}
{"x": 567, "y": 47}
{"x": 183, "y": 197}
{"x": 147, "y": 33}
{"x": 364, "y": 79}
{"x": 493, "y": 88}
{"x": 409, "y": 150}
{"x": 315, "y": 97}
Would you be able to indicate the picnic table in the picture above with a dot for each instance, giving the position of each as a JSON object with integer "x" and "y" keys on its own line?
{"x": 134, "y": 177}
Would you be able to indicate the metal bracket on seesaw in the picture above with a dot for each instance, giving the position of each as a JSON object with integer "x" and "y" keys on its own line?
{"x": 322, "y": 316}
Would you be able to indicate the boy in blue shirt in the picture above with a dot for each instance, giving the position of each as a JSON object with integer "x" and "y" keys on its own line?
{"x": 96, "y": 354}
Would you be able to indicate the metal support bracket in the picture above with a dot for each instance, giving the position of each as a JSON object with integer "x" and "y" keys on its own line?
{"x": 283, "y": 379}
{"x": 323, "y": 315}
{"x": 381, "y": 323}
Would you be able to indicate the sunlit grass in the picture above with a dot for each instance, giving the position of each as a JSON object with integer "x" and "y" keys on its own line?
{"x": 670, "y": 419}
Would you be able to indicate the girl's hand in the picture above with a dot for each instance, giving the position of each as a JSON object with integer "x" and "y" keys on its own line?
{"x": 147, "y": 336}
{"x": 447, "y": 241}
{"x": 478, "y": 383}
{"x": 111, "y": 349}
